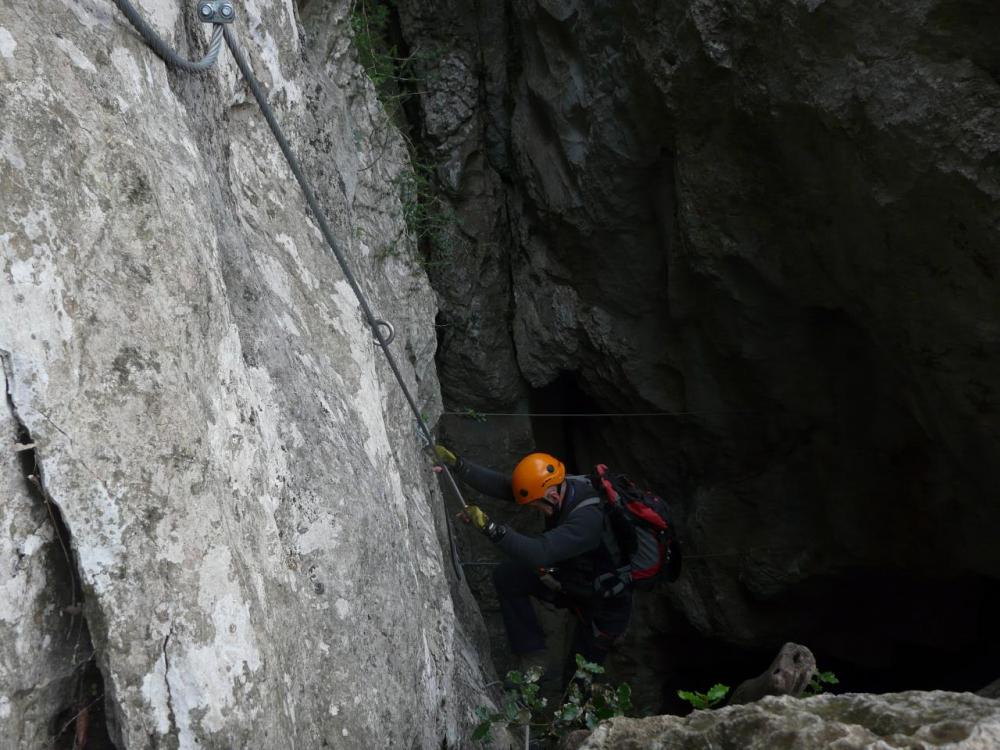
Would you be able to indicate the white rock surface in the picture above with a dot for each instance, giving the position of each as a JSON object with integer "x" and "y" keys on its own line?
{"x": 254, "y": 527}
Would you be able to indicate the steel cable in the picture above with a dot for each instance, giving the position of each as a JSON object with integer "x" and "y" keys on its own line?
{"x": 163, "y": 50}
{"x": 375, "y": 324}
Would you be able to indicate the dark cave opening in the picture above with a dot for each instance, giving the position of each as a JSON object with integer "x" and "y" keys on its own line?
{"x": 554, "y": 430}
{"x": 575, "y": 427}
{"x": 877, "y": 632}
{"x": 879, "y": 629}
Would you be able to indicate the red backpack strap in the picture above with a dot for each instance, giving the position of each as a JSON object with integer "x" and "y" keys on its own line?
{"x": 602, "y": 481}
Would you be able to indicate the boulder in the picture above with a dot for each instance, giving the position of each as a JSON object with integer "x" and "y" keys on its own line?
{"x": 848, "y": 722}
{"x": 789, "y": 674}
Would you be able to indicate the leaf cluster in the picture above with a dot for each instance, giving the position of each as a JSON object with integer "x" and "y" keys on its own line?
{"x": 584, "y": 703}
{"x": 819, "y": 681}
{"x": 518, "y": 706}
{"x": 701, "y": 701}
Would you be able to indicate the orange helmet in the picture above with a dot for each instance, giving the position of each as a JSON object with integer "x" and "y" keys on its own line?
{"x": 534, "y": 474}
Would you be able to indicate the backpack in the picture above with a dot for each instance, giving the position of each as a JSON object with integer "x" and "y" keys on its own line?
{"x": 640, "y": 535}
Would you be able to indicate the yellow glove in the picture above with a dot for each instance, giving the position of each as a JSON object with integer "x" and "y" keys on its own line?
{"x": 493, "y": 531}
{"x": 445, "y": 456}
{"x": 479, "y": 519}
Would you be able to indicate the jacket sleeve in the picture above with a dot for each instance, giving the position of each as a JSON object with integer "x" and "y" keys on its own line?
{"x": 484, "y": 480}
{"x": 580, "y": 533}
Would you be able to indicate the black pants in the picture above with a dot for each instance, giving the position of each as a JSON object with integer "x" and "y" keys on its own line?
{"x": 600, "y": 622}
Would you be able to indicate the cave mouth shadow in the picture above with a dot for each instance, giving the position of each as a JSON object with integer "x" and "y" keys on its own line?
{"x": 879, "y": 631}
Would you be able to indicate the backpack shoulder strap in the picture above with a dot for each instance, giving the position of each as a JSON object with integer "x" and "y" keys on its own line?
{"x": 584, "y": 504}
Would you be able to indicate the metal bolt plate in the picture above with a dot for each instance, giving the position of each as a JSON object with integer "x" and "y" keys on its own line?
{"x": 216, "y": 11}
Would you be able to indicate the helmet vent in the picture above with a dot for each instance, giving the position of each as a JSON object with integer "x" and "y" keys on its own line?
{"x": 551, "y": 469}
{"x": 524, "y": 493}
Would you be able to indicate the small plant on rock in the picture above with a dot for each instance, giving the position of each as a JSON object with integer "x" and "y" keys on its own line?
{"x": 519, "y": 704}
{"x": 584, "y": 704}
{"x": 715, "y": 695}
{"x": 819, "y": 681}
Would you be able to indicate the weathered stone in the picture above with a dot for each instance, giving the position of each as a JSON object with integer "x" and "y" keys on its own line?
{"x": 42, "y": 645}
{"x": 789, "y": 674}
{"x": 254, "y": 525}
{"x": 990, "y": 691}
{"x": 847, "y": 722}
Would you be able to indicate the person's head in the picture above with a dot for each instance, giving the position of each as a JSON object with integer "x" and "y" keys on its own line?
{"x": 538, "y": 481}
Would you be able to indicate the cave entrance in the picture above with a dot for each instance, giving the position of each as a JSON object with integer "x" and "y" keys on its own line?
{"x": 563, "y": 425}
{"x": 878, "y": 632}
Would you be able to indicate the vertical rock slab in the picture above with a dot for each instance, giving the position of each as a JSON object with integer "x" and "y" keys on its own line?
{"x": 254, "y": 527}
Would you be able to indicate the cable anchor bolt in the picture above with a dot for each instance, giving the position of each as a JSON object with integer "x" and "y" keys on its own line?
{"x": 216, "y": 11}
{"x": 388, "y": 337}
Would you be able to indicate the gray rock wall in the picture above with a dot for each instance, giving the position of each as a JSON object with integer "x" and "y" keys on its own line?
{"x": 256, "y": 532}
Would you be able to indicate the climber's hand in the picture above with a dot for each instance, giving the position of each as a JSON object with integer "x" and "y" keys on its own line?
{"x": 475, "y": 515}
{"x": 445, "y": 456}
{"x": 491, "y": 530}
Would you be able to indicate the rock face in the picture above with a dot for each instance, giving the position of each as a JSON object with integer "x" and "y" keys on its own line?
{"x": 777, "y": 222}
{"x": 250, "y": 525}
{"x": 847, "y": 722}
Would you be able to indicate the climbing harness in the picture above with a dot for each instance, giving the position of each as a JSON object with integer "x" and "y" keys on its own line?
{"x": 221, "y": 13}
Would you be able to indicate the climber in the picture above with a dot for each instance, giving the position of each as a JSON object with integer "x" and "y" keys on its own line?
{"x": 558, "y": 567}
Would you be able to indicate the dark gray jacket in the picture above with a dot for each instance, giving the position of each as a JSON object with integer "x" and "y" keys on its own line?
{"x": 573, "y": 538}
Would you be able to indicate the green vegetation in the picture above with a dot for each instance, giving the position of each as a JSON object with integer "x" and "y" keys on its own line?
{"x": 583, "y": 704}
{"x": 711, "y": 699}
{"x": 819, "y": 680}
{"x": 475, "y": 416}
{"x": 393, "y": 73}
{"x": 398, "y": 77}
{"x": 430, "y": 219}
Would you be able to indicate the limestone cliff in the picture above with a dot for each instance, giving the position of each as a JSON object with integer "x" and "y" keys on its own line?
{"x": 228, "y": 514}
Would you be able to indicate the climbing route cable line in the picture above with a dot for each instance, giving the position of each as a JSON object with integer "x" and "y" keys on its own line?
{"x": 221, "y": 13}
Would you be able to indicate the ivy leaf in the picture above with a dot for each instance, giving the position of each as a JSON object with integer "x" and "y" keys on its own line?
{"x": 534, "y": 674}
{"x": 483, "y": 713}
{"x": 569, "y": 713}
{"x": 482, "y": 731}
{"x": 717, "y": 692}
{"x": 697, "y": 700}
{"x": 828, "y": 677}
{"x": 524, "y": 716}
{"x": 624, "y": 697}
{"x": 590, "y": 720}
{"x": 510, "y": 709}
{"x": 515, "y": 678}
{"x": 574, "y": 696}
{"x": 604, "y": 713}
